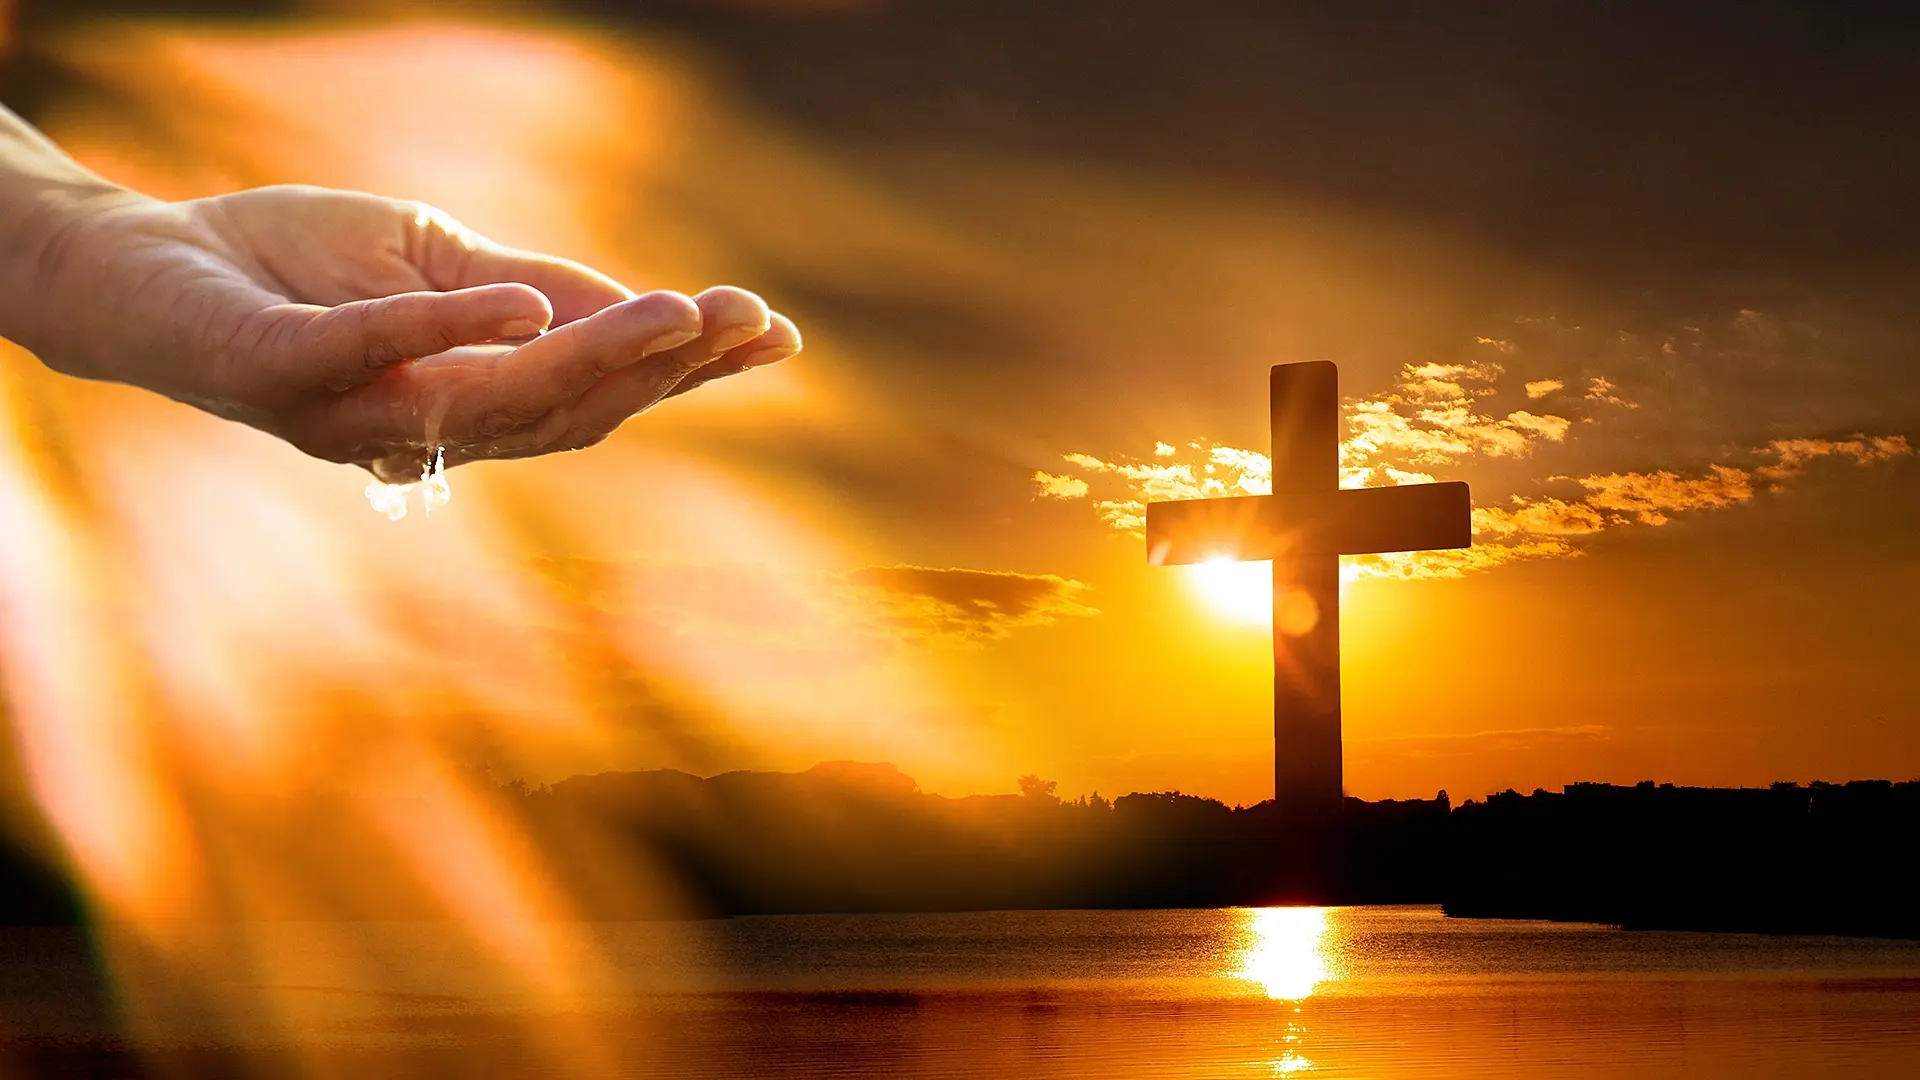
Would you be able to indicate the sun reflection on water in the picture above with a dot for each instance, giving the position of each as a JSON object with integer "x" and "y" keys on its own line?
{"x": 1285, "y": 951}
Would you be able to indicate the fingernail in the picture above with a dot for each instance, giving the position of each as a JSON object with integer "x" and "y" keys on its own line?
{"x": 673, "y": 339}
{"x": 769, "y": 355}
{"x": 737, "y": 335}
{"x": 518, "y": 328}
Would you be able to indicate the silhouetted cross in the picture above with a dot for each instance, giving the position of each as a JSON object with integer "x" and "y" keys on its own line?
{"x": 1304, "y": 527}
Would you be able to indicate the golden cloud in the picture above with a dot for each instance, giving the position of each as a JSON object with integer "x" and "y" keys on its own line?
{"x": 1553, "y": 428}
{"x": 1432, "y": 417}
{"x": 1864, "y": 450}
{"x": 1652, "y": 496}
{"x": 1458, "y": 562}
{"x": 1602, "y": 391}
{"x": 1127, "y": 515}
{"x": 1049, "y": 486}
{"x": 1446, "y": 381}
{"x": 968, "y": 606}
{"x": 1544, "y": 517}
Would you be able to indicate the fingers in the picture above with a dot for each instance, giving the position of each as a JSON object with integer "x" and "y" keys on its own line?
{"x": 567, "y": 389}
{"x": 556, "y": 368}
{"x": 353, "y": 344}
{"x": 471, "y": 396}
{"x": 780, "y": 342}
{"x": 622, "y": 394}
{"x": 452, "y": 256}
{"x": 576, "y": 291}
{"x": 732, "y": 319}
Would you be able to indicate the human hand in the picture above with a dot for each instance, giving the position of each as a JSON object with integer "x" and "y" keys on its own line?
{"x": 371, "y": 330}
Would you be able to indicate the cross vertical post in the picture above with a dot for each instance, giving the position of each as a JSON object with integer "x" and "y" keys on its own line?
{"x": 1307, "y": 763}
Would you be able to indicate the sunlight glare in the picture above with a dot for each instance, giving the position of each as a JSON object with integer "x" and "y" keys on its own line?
{"x": 1240, "y": 591}
{"x": 1286, "y": 951}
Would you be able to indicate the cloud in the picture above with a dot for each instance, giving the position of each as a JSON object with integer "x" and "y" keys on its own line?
{"x": 1250, "y": 471}
{"x": 1650, "y": 497}
{"x": 1127, "y": 515}
{"x": 1544, "y": 517}
{"x": 1553, "y": 428}
{"x": 1457, "y": 562}
{"x": 1446, "y": 381}
{"x": 1222, "y": 471}
{"x": 1795, "y": 453}
{"x": 1602, "y": 390}
{"x": 967, "y": 606}
{"x": 1049, "y": 486}
{"x": 1432, "y": 418}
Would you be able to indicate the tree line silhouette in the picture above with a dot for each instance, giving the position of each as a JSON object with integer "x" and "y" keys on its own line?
{"x": 851, "y": 837}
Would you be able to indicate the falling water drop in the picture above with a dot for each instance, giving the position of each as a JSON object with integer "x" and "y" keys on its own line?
{"x": 435, "y": 492}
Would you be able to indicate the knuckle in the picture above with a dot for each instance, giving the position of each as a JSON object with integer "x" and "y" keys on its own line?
{"x": 369, "y": 326}
{"x": 597, "y": 366}
{"x": 441, "y": 337}
{"x": 503, "y": 421}
{"x": 423, "y": 215}
{"x": 380, "y": 353}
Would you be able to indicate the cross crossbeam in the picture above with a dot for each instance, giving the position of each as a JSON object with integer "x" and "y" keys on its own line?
{"x": 1348, "y": 521}
{"x": 1304, "y": 527}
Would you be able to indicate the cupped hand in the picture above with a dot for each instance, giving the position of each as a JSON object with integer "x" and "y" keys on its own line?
{"x": 371, "y": 330}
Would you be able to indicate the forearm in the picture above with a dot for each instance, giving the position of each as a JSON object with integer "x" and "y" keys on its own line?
{"x": 43, "y": 194}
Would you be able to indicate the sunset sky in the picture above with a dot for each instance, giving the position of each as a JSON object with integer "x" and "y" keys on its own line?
{"x": 1653, "y": 299}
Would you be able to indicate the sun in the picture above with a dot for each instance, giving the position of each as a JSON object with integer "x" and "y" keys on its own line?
{"x": 1240, "y": 591}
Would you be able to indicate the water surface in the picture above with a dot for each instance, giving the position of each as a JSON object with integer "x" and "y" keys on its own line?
{"x": 1342, "y": 992}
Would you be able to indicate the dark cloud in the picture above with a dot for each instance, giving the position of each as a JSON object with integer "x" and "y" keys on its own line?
{"x": 969, "y": 605}
{"x": 1624, "y": 132}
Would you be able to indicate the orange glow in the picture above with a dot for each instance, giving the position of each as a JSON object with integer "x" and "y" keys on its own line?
{"x": 207, "y": 639}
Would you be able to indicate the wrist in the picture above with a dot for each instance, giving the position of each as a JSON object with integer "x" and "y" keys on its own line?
{"x": 43, "y": 234}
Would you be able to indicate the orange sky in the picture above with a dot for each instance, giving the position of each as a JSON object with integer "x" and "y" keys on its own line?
{"x": 1695, "y": 516}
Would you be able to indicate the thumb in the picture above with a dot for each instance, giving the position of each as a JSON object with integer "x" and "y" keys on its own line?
{"x": 352, "y": 344}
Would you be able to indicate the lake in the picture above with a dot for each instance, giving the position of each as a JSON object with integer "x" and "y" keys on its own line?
{"x": 1333, "y": 992}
